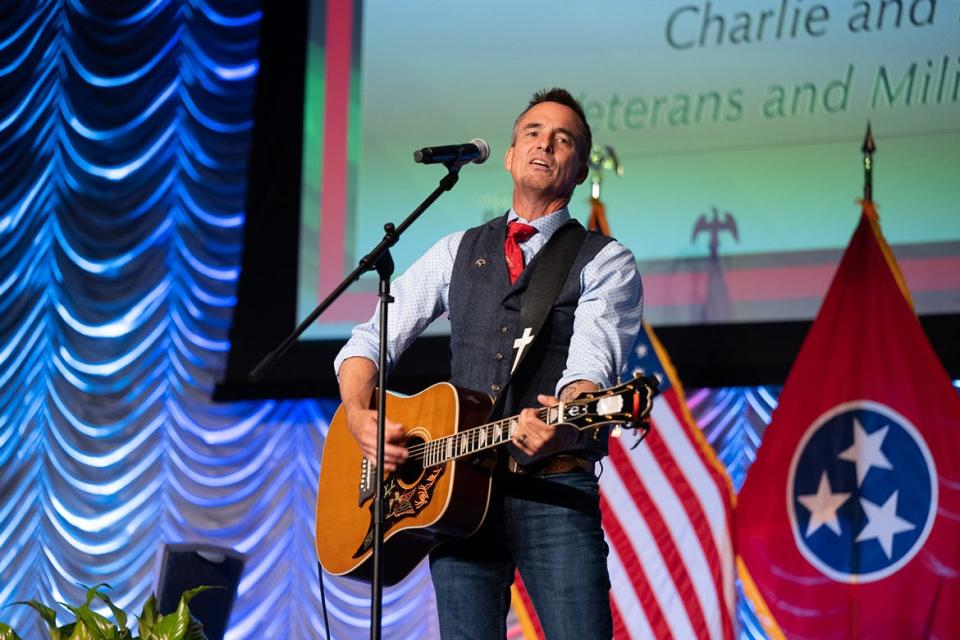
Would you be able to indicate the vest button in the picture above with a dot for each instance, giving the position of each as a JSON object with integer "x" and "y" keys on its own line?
{"x": 504, "y": 328}
{"x": 495, "y": 387}
{"x": 498, "y": 356}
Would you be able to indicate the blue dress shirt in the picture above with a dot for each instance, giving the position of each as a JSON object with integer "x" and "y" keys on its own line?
{"x": 606, "y": 322}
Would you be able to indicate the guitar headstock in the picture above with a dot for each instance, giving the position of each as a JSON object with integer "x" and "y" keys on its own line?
{"x": 626, "y": 405}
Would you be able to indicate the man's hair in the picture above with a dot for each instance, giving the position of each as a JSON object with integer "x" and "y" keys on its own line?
{"x": 561, "y": 96}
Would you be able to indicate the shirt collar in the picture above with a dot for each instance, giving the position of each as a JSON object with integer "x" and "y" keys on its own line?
{"x": 545, "y": 225}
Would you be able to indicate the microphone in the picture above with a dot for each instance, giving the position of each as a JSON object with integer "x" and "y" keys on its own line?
{"x": 457, "y": 154}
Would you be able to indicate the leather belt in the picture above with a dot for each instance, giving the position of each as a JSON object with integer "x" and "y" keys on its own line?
{"x": 559, "y": 463}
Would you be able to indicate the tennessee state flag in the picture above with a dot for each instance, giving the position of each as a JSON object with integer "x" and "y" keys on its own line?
{"x": 848, "y": 524}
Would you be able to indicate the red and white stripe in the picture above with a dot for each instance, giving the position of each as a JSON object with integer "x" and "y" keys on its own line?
{"x": 667, "y": 514}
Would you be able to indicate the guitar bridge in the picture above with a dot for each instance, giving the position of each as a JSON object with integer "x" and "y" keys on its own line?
{"x": 366, "y": 481}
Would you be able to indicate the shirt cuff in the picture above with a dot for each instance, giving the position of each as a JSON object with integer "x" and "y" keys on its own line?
{"x": 353, "y": 351}
{"x": 593, "y": 376}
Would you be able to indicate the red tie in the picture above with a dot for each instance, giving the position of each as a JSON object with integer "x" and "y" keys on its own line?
{"x": 517, "y": 232}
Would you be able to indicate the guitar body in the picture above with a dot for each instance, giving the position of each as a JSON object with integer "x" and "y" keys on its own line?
{"x": 422, "y": 506}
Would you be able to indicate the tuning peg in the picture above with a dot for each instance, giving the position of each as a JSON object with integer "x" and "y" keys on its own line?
{"x": 616, "y": 432}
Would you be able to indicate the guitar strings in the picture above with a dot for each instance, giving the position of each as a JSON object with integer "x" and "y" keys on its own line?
{"x": 419, "y": 451}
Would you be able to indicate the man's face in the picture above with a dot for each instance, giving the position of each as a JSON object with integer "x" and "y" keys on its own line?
{"x": 544, "y": 157}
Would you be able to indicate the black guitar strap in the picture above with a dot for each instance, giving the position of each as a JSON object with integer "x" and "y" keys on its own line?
{"x": 542, "y": 291}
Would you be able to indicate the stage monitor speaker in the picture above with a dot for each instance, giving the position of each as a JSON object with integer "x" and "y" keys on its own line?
{"x": 187, "y": 566}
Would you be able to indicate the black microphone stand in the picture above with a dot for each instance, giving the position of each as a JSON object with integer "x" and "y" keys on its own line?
{"x": 379, "y": 258}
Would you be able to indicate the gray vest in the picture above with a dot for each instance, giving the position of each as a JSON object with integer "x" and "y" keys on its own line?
{"x": 484, "y": 314}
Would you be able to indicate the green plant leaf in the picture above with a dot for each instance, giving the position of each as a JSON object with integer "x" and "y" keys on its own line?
{"x": 80, "y": 631}
{"x": 192, "y": 593}
{"x": 94, "y": 591}
{"x": 49, "y": 615}
{"x": 118, "y": 613}
{"x": 100, "y": 628}
{"x": 175, "y": 625}
{"x": 6, "y": 633}
{"x": 91, "y": 624}
{"x": 148, "y": 618}
{"x": 172, "y": 626}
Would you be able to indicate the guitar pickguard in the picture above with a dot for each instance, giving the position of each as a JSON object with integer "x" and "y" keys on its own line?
{"x": 402, "y": 502}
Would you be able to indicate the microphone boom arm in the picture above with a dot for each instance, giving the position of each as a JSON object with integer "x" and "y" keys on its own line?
{"x": 367, "y": 263}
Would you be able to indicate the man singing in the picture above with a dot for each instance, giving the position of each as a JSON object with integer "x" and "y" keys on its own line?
{"x": 544, "y": 518}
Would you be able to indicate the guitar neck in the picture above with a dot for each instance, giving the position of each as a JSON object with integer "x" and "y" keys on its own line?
{"x": 623, "y": 405}
{"x": 477, "y": 439}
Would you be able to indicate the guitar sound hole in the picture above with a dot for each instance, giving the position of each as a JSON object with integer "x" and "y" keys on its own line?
{"x": 411, "y": 471}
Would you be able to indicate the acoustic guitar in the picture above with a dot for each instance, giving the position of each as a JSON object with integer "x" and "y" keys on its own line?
{"x": 443, "y": 489}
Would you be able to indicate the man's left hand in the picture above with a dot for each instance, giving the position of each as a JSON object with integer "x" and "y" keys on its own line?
{"x": 538, "y": 439}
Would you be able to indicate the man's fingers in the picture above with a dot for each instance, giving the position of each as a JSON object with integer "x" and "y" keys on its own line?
{"x": 547, "y": 401}
{"x": 364, "y": 428}
{"x": 391, "y": 453}
{"x": 521, "y": 441}
{"x": 389, "y": 450}
{"x": 394, "y": 453}
{"x": 529, "y": 435}
{"x": 530, "y": 419}
{"x": 394, "y": 432}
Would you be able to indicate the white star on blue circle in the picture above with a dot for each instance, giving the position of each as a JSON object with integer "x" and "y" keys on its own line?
{"x": 861, "y": 492}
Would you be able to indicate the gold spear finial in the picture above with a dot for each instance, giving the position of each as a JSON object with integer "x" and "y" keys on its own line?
{"x": 869, "y": 148}
{"x": 602, "y": 158}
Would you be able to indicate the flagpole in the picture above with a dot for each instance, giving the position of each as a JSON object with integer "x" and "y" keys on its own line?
{"x": 868, "y": 148}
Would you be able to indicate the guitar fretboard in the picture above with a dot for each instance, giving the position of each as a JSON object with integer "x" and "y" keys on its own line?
{"x": 465, "y": 443}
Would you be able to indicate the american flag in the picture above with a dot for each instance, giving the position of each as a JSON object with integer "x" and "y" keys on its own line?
{"x": 667, "y": 513}
{"x": 667, "y": 509}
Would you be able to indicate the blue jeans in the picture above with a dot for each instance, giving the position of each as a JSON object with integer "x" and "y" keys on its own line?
{"x": 550, "y": 529}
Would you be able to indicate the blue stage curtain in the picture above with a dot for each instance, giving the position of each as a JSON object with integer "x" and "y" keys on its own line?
{"x": 124, "y": 132}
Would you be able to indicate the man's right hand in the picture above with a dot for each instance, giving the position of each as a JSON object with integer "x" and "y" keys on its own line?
{"x": 363, "y": 425}
{"x": 357, "y": 377}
